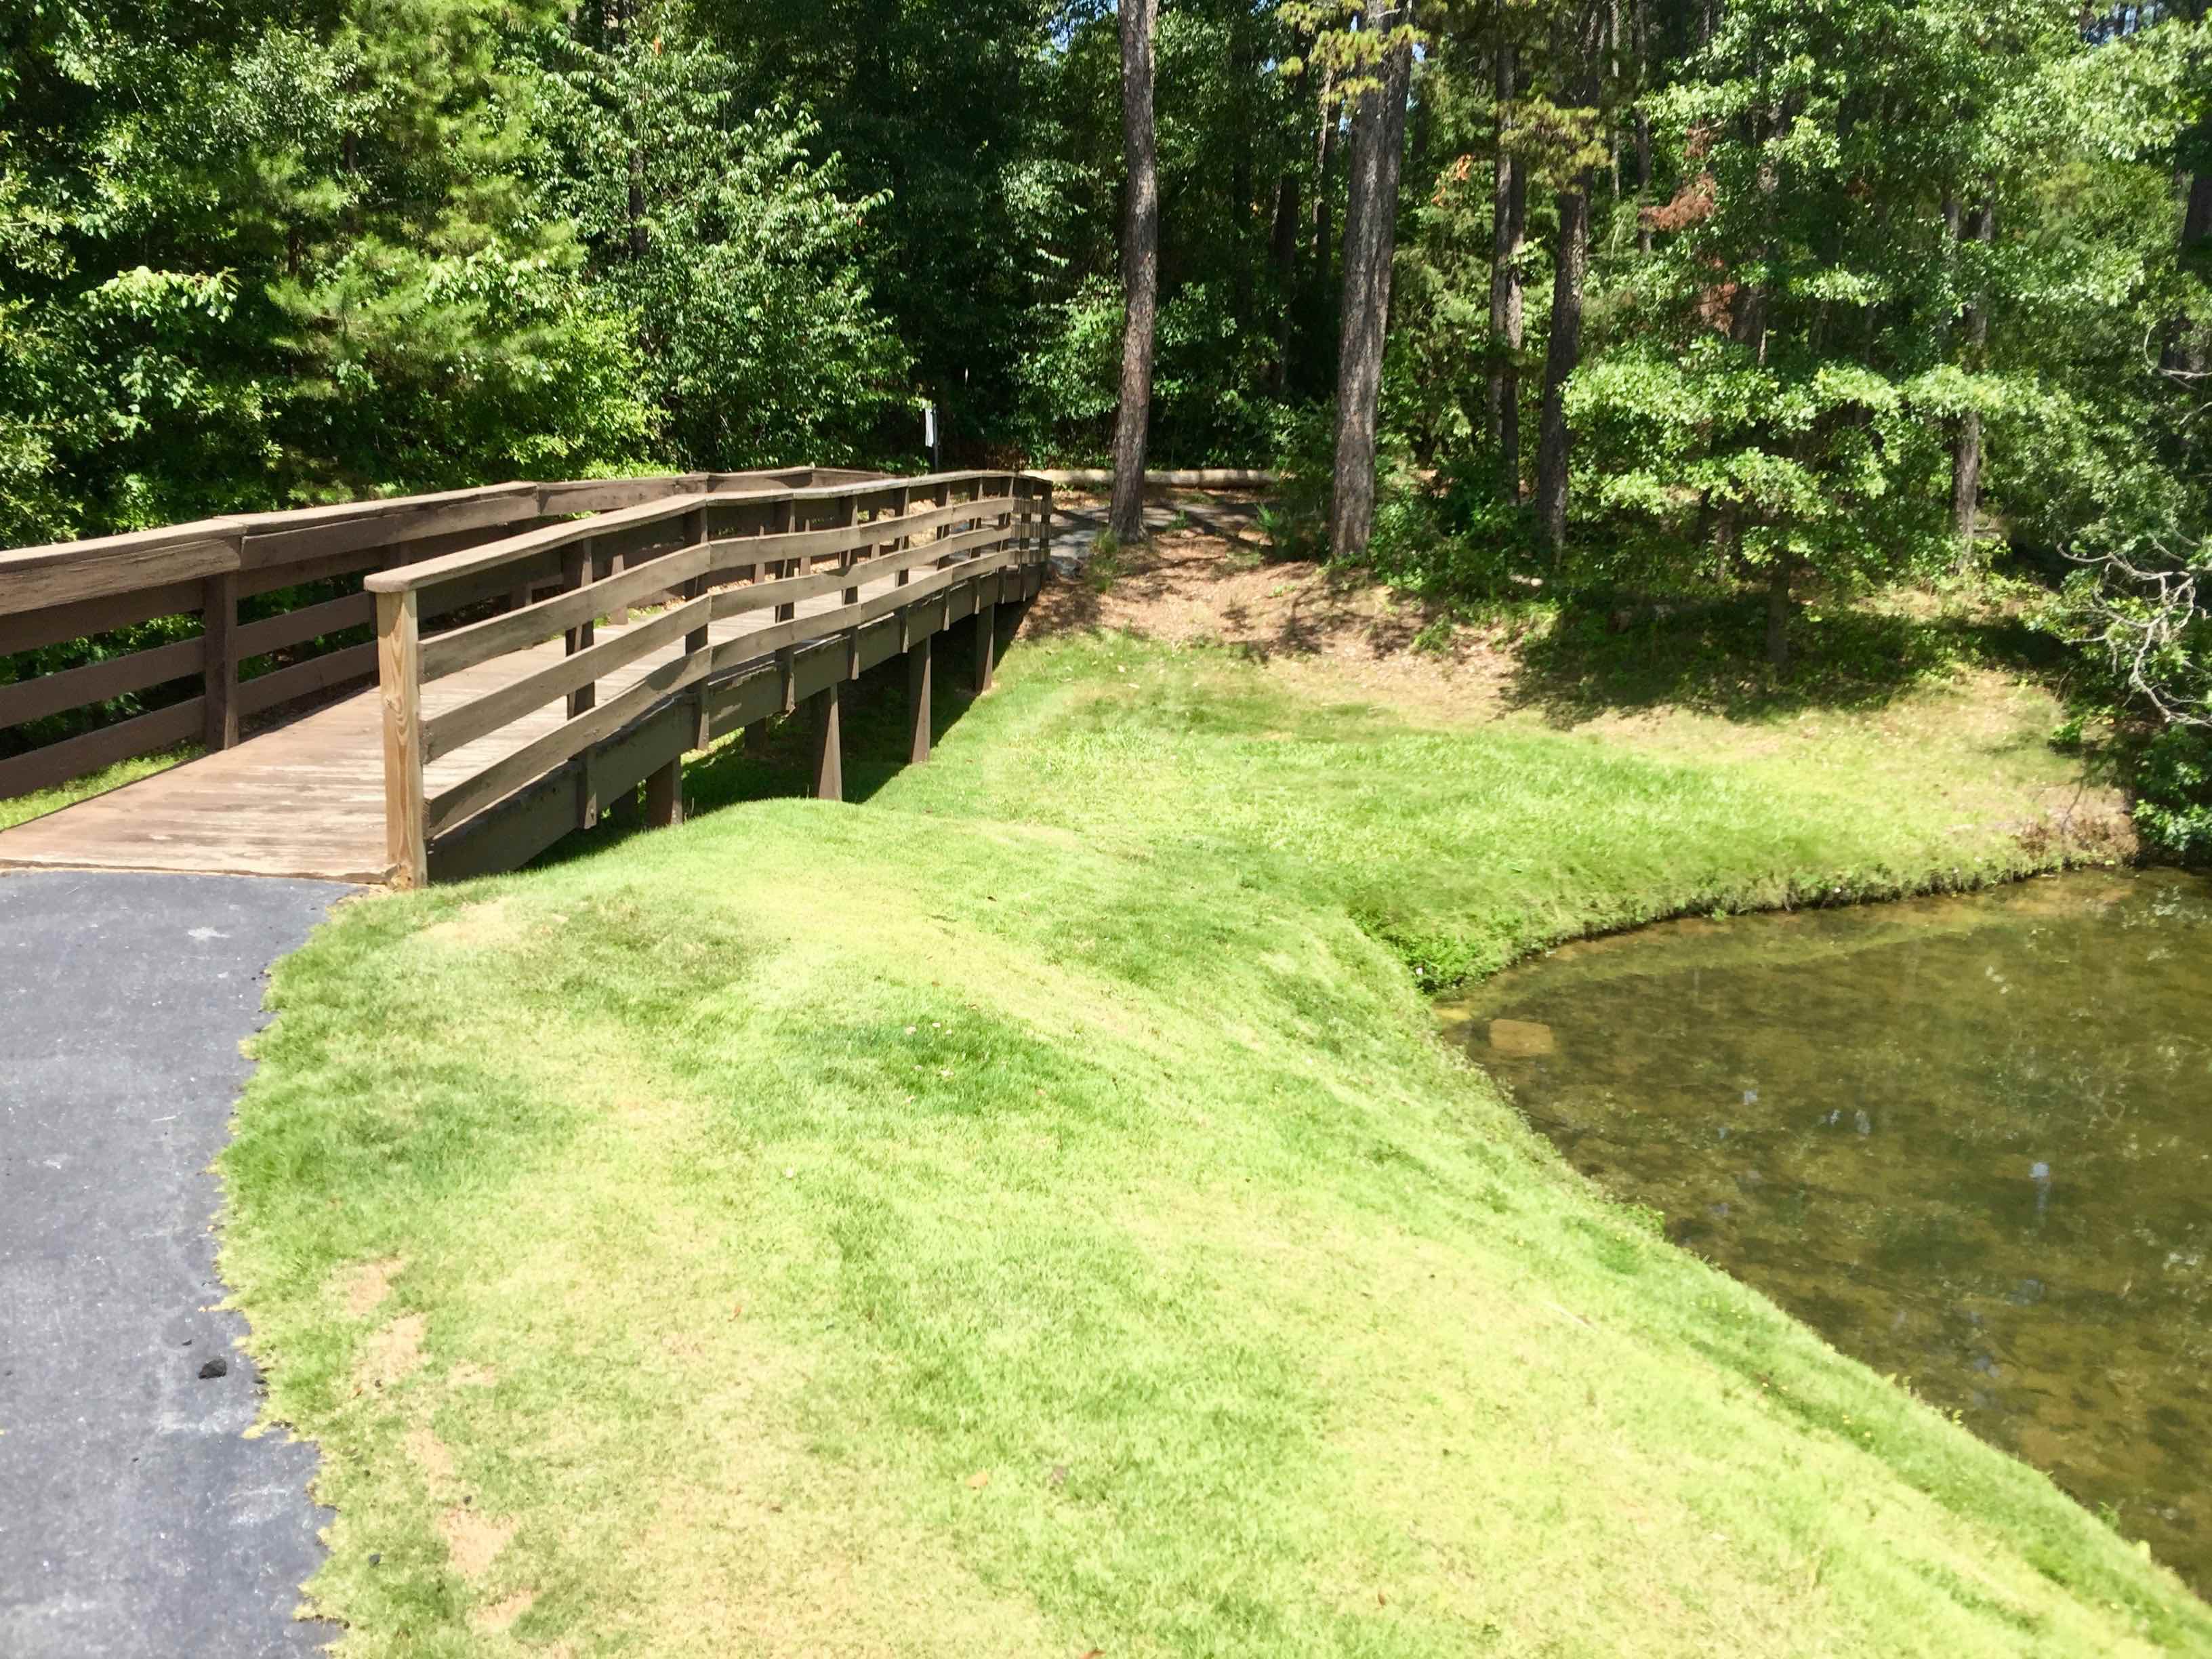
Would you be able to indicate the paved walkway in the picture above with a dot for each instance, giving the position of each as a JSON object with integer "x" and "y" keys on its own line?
{"x": 134, "y": 1519}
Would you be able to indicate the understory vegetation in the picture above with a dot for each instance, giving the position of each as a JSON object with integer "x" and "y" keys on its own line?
{"x": 1030, "y": 1210}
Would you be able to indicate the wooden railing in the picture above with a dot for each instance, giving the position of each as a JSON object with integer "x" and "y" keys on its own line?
{"x": 71, "y": 591}
{"x": 479, "y": 777}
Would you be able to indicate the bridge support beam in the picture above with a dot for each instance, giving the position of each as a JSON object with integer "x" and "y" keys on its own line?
{"x": 664, "y": 796}
{"x": 986, "y": 642}
{"x": 829, "y": 745}
{"x": 918, "y": 668}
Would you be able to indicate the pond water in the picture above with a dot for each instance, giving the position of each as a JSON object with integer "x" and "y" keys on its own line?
{"x": 1968, "y": 1140}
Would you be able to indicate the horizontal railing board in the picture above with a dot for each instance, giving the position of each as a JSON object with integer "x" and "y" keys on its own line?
{"x": 97, "y": 682}
{"x": 431, "y": 572}
{"x": 790, "y": 590}
{"x": 509, "y": 772}
{"x": 33, "y": 631}
{"x": 444, "y": 732}
{"x": 265, "y": 691}
{"x": 309, "y": 622}
{"x": 66, "y": 573}
{"x": 72, "y": 757}
{"x": 517, "y": 630}
{"x": 359, "y": 526}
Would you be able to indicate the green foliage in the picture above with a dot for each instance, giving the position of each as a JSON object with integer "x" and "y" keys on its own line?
{"x": 2173, "y": 783}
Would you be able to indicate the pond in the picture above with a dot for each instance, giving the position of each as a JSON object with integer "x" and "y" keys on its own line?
{"x": 1968, "y": 1140}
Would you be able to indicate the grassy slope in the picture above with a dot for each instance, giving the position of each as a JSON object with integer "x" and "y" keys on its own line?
{"x": 1029, "y": 1213}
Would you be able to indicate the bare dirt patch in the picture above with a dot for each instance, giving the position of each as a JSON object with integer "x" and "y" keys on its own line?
{"x": 473, "y": 1540}
{"x": 363, "y": 1287}
{"x": 504, "y": 1611}
{"x": 484, "y": 926}
{"x": 430, "y": 1454}
{"x": 1213, "y": 583}
{"x": 393, "y": 1354}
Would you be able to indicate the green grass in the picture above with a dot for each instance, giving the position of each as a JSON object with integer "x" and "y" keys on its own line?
{"x": 1031, "y": 1212}
{"x": 21, "y": 809}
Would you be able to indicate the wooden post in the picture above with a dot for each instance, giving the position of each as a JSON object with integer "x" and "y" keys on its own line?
{"x": 906, "y": 539}
{"x": 218, "y": 672}
{"x": 694, "y": 532}
{"x": 400, "y": 681}
{"x": 576, "y": 573}
{"x": 829, "y": 745}
{"x": 918, "y": 666}
{"x": 986, "y": 640}
{"x": 664, "y": 796}
{"x": 784, "y": 518}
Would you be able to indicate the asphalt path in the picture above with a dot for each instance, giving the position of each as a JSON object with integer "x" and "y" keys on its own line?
{"x": 135, "y": 1518}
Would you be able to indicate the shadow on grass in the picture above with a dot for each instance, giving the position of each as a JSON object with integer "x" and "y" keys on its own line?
{"x": 777, "y": 758}
{"x": 1710, "y": 658}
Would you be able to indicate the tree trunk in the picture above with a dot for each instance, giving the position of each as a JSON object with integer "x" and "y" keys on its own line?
{"x": 2188, "y": 350}
{"x": 1284, "y": 254}
{"x": 1370, "y": 227}
{"x": 1140, "y": 268}
{"x": 1324, "y": 155}
{"x": 1509, "y": 213}
{"x": 1552, "y": 438}
{"x": 1777, "y": 611}
{"x": 1966, "y": 445}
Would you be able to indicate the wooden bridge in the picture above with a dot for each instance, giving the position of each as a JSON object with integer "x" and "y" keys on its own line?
{"x": 539, "y": 652}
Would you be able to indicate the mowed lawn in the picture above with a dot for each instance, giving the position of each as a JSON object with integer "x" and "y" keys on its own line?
{"x": 1028, "y": 1211}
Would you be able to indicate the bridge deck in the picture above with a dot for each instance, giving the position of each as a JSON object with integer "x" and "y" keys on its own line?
{"x": 306, "y": 798}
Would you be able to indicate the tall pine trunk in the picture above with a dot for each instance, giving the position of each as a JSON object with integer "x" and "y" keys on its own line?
{"x": 2188, "y": 350}
{"x": 1967, "y": 443}
{"x": 1371, "y": 226}
{"x": 1553, "y": 437}
{"x": 1140, "y": 268}
{"x": 1283, "y": 254}
{"x": 1509, "y": 213}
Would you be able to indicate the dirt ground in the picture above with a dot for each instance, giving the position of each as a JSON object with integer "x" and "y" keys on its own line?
{"x": 1207, "y": 576}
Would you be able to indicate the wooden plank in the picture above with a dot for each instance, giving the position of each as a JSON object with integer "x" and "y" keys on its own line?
{"x": 470, "y": 562}
{"x": 449, "y": 730}
{"x": 309, "y": 622}
{"x": 515, "y": 630}
{"x": 788, "y": 590}
{"x": 504, "y": 776}
{"x": 33, "y": 629}
{"x": 73, "y": 688}
{"x": 220, "y": 660}
{"x": 350, "y": 526}
{"x": 829, "y": 745}
{"x": 399, "y": 678}
{"x": 67, "y": 573}
{"x": 301, "y": 679}
{"x": 824, "y": 623}
{"x": 918, "y": 667}
{"x": 72, "y": 757}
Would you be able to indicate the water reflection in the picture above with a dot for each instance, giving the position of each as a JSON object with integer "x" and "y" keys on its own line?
{"x": 1967, "y": 1138}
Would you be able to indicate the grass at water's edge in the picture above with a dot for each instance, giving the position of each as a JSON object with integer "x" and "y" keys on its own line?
{"x": 1031, "y": 1211}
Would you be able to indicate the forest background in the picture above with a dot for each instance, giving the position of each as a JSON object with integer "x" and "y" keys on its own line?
{"x": 1732, "y": 303}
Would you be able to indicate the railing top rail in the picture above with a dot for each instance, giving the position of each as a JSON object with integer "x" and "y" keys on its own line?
{"x": 56, "y": 573}
{"x": 475, "y": 561}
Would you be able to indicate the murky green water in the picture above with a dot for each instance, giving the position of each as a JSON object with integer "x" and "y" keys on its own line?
{"x": 1968, "y": 1140}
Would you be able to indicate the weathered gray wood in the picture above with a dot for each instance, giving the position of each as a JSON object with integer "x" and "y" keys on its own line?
{"x": 918, "y": 667}
{"x": 466, "y": 722}
{"x": 69, "y": 573}
{"x": 301, "y": 679}
{"x": 664, "y": 795}
{"x": 97, "y": 682}
{"x": 828, "y": 743}
{"x": 72, "y": 757}
{"x": 986, "y": 645}
{"x": 51, "y": 625}
{"x": 311, "y": 622}
{"x": 220, "y": 655}
{"x": 452, "y": 805}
